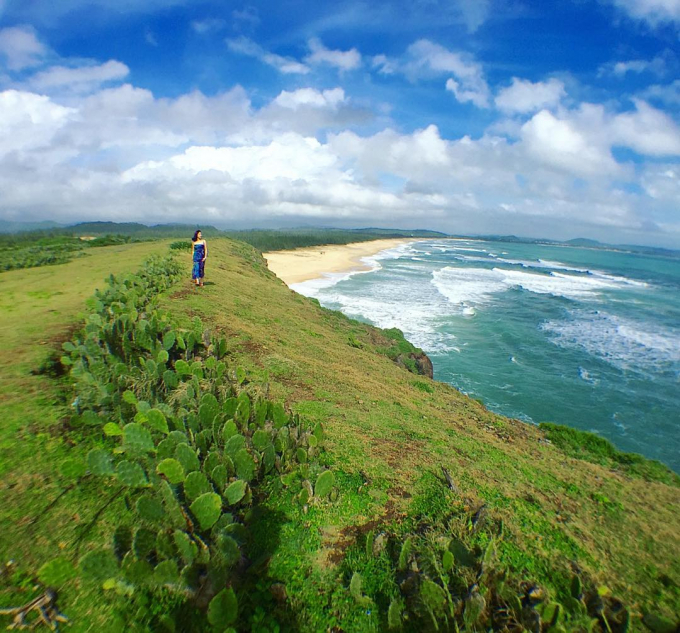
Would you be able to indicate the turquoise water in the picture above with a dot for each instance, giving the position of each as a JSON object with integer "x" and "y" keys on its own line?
{"x": 583, "y": 337}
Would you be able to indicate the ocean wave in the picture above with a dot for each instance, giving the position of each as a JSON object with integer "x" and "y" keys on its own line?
{"x": 478, "y": 285}
{"x": 622, "y": 342}
{"x": 553, "y": 265}
{"x": 619, "y": 280}
{"x": 465, "y": 286}
{"x": 416, "y": 317}
{"x": 312, "y": 287}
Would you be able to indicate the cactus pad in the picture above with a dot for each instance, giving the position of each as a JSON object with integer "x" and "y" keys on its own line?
{"x": 324, "y": 484}
{"x": 223, "y": 609}
{"x": 229, "y": 430}
{"x": 137, "y": 439}
{"x": 207, "y": 509}
{"x": 228, "y": 548}
{"x": 235, "y": 491}
{"x": 186, "y": 456}
{"x": 165, "y": 448}
{"x": 143, "y": 543}
{"x": 149, "y": 508}
{"x": 234, "y": 445}
{"x": 156, "y": 421}
{"x": 261, "y": 440}
{"x": 219, "y": 476}
{"x": 56, "y": 572}
{"x": 131, "y": 474}
{"x": 99, "y": 462}
{"x": 172, "y": 469}
{"x": 187, "y": 549}
{"x": 195, "y": 485}
{"x": 245, "y": 465}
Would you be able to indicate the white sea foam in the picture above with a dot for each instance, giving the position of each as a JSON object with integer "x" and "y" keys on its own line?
{"x": 619, "y": 280}
{"x": 548, "y": 263}
{"x": 401, "y": 307}
{"x": 557, "y": 284}
{"x": 476, "y": 258}
{"x": 476, "y": 286}
{"x": 586, "y": 376}
{"x": 465, "y": 286}
{"x": 312, "y": 287}
{"x": 622, "y": 342}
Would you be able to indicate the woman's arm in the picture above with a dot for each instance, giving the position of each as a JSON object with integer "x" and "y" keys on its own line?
{"x": 205, "y": 250}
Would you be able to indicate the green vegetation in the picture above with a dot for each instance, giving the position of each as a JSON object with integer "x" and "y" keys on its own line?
{"x": 185, "y": 440}
{"x": 285, "y": 239}
{"x": 138, "y": 482}
{"x": 58, "y": 246}
{"x": 30, "y": 250}
{"x": 596, "y": 449}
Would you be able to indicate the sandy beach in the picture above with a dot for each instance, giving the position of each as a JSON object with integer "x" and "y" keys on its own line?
{"x": 302, "y": 264}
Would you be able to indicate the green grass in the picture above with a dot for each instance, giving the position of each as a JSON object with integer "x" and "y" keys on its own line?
{"x": 32, "y": 250}
{"x": 572, "y": 500}
{"x": 36, "y": 433}
{"x": 596, "y": 449}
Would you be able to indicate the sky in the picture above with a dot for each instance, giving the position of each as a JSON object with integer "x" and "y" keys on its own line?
{"x": 555, "y": 119}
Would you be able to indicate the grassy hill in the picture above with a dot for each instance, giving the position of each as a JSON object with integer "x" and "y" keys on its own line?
{"x": 502, "y": 517}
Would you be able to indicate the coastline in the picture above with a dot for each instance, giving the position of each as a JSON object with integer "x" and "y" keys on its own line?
{"x": 311, "y": 262}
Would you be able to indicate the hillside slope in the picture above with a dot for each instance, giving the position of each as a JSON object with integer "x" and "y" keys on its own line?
{"x": 544, "y": 515}
{"x": 396, "y": 430}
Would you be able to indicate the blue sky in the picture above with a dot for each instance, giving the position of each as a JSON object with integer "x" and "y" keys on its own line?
{"x": 552, "y": 119}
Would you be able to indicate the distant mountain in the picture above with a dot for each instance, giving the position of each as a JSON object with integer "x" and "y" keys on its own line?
{"x": 404, "y": 232}
{"x": 135, "y": 228}
{"x": 583, "y": 241}
{"x": 373, "y": 230}
{"x": 507, "y": 238}
{"x": 8, "y": 226}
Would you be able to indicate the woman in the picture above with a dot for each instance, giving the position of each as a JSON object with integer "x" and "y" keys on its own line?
{"x": 200, "y": 252}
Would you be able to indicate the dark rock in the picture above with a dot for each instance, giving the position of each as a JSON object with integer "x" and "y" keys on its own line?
{"x": 417, "y": 363}
{"x": 424, "y": 364}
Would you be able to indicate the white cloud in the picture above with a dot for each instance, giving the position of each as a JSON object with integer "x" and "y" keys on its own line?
{"x": 248, "y": 17}
{"x": 523, "y": 96}
{"x": 343, "y": 60}
{"x": 659, "y": 65}
{"x": 647, "y": 131}
{"x": 652, "y": 11}
{"x": 425, "y": 60}
{"x": 668, "y": 94}
{"x": 285, "y": 65}
{"x": 150, "y": 38}
{"x": 384, "y": 65}
{"x": 559, "y": 143}
{"x": 310, "y": 97}
{"x": 121, "y": 153}
{"x": 662, "y": 182}
{"x": 464, "y": 95}
{"x": 474, "y": 13}
{"x": 81, "y": 79}
{"x": 208, "y": 25}
{"x": 21, "y": 48}
{"x": 29, "y": 121}
{"x": 289, "y": 157}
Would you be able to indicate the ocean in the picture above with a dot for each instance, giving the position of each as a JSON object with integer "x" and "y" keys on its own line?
{"x": 589, "y": 338}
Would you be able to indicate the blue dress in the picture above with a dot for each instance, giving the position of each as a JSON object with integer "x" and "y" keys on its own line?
{"x": 199, "y": 263}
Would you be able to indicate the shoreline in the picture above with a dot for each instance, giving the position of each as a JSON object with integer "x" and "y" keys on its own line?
{"x": 312, "y": 262}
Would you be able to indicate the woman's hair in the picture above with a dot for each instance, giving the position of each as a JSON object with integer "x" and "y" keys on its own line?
{"x": 195, "y": 237}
